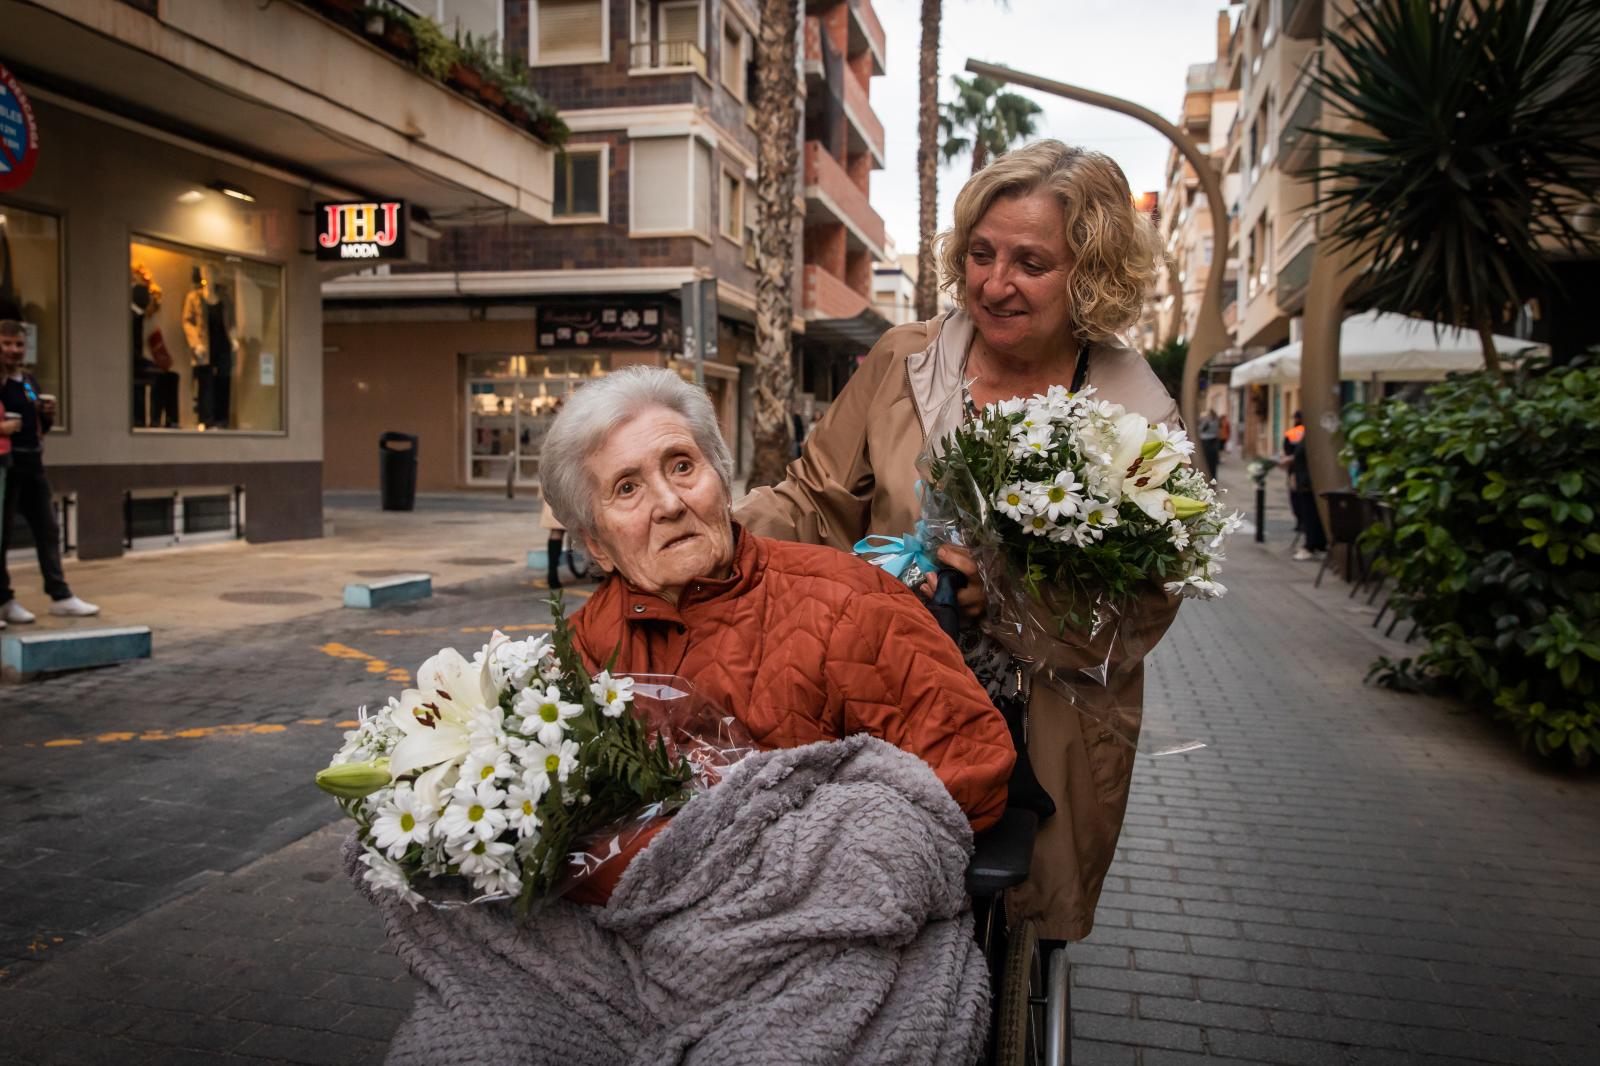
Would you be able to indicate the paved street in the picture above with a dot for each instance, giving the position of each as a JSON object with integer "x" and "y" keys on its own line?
{"x": 1344, "y": 875}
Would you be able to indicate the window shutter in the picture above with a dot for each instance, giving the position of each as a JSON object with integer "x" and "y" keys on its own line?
{"x": 570, "y": 30}
{"x": 681, "y": 22}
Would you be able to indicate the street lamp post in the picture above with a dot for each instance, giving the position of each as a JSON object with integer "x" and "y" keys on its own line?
{"x": 1210, "y": 335}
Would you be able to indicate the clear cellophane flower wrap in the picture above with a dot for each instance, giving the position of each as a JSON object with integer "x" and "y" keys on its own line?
{"x": 692, "y": 728}
{"x": 1070, "y": 637}
{"x": 514, "y": 775}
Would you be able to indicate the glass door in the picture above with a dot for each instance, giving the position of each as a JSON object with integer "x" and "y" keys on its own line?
{"x": 511, "y": 402}
{"x": 491, "y": 430}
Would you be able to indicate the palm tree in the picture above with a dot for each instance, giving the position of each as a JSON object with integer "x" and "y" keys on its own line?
{"x": 778, "y": 155}
{"x": 928, "y": 160}
{"x": 1473, "y": 147}
{"x": 984, "y": 120}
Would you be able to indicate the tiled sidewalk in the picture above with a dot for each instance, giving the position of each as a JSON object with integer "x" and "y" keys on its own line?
{"x": 1346, "y": 875}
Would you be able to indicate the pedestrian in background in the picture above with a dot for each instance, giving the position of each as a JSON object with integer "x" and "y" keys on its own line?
{"x": 1301, "y": 498}
{"x": 1210, "y": 430}
{"x": 27, "y": 492}
{"x": 1225, "y": 433}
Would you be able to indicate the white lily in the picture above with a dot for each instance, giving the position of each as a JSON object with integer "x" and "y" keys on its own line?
{"x": 1145, "y": 457}
{"x": 436, "y": 718}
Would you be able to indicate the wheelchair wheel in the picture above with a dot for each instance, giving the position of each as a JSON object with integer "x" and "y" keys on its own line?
{"x": 1020, "y": 1015}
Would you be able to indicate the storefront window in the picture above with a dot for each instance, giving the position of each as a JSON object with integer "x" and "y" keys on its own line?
{"x": 206, "y": 340}
{"x": 511, "y": 401}
{"x": 30, "y": 292}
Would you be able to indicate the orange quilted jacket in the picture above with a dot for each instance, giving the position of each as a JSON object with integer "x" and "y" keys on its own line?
{"x": 805, "y": 643}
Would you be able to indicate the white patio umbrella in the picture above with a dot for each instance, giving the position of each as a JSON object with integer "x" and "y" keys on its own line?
{"x": 1377, "y": 345}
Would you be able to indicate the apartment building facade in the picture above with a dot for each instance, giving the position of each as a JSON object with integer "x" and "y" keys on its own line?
{"x": 843, "y": 236}
{"x": 649, "y": 257}
{"x": 197, "y": 169}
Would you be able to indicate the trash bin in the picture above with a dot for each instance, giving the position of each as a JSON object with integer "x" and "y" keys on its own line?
{"x": 397, "y": 470}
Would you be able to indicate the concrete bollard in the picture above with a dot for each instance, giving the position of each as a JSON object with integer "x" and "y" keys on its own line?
{"x": 390, "y": 591}
{"x": 55, "y": 651}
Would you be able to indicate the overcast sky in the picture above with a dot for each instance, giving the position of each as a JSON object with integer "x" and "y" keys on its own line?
{"x": 1136, "y": 49}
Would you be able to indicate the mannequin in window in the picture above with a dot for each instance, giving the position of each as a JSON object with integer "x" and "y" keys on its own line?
{"x": 207, "y": 328}
{"x": 155, "y": 384}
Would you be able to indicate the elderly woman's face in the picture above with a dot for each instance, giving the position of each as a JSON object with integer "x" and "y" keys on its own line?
{"x": 661, "y": 509}
{"x": 1017, "y": 269}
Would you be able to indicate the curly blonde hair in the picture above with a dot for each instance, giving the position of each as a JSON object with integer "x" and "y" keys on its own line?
{"x": 1115, "y": 251}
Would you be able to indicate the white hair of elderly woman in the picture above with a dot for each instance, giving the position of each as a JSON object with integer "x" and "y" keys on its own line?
{"x": 595, "y": 409}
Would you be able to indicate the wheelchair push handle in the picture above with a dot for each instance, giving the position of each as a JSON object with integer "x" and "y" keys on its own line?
{"x": 945, "y": 612}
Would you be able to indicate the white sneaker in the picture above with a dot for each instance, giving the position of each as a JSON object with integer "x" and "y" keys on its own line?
{"x": 1301, "y": 555}
{"x": 16, "y": 614}
{"x": 2, "y": 623}
{"x": 73, "y": 607}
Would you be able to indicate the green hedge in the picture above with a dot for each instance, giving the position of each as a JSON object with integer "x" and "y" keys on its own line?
{"x": 1494, "y": 550}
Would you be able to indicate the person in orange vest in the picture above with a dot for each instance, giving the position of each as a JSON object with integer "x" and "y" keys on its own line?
{"x": 1301, "y": 498}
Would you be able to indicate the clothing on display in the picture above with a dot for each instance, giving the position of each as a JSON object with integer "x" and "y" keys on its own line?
{"x": 155, "y": 384}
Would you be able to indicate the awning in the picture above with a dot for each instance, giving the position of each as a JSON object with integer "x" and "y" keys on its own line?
{"x": 1388, "y": 347}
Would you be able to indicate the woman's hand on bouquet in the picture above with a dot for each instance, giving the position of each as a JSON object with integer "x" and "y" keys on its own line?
{"x": 971, "y": 599}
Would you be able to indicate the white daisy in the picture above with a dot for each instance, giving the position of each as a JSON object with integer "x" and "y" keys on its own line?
{"x": 1060, "y": 497}
{"x": 1033, "y": 441}
{"x": 556, "y": 760}
{"x": 401, "y": 822}
{"x": 389, "y": 877}
{"x": 522, "y": 802}
{"x": 474, "y": 812}
{"x": 1037, "y": 525}
{"x": 486, "y": 765}
{"x": 1012, "y": 501}
{"x": 613, "y": 694}
{"x": 545, "y": 714}
{"x": 1178, "y": 533}
{"x": 476, "y": 857}
{"x": 515, "y": 663}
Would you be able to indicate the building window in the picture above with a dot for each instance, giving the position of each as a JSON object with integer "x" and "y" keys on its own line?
{"x": 673, "y": 183}
{"x": 668, "y": 36}
{"x": 700, "y": 182}
{"x": 735, "y": 47}
{"x": 733, "y": 214}
{"x": 206, "y": 340}
{"x": 568, "y": 31}
{"x": 30, "y": 293}
{"x": 580, "y": 184}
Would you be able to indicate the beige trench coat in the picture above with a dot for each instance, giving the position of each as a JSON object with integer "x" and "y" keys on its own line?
{"x": 857, "y": 475}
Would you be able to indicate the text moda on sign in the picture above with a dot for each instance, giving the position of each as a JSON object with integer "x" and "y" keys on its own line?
{"x": 374, "y": 230}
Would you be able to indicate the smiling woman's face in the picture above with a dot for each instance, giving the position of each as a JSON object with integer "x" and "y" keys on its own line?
{"x": 1017, "y": 271}
{"x": 661, "y": 510}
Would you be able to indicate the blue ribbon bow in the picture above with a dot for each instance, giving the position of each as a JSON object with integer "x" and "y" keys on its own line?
{"x": 897, "y": 554}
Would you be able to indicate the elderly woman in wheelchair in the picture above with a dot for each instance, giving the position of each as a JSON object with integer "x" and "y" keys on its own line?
{"x": 813, "y": 907}
{"x": 800, "y": 642}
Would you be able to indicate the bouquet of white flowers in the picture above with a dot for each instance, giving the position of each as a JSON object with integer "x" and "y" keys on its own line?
{"x": 520, "y": 773}
{"x": 1085, "y": 496}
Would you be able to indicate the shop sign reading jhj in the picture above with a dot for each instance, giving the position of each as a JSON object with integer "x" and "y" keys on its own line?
{"x": 362, "y": 231}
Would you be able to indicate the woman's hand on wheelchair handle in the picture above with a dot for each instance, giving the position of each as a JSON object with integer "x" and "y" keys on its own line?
{"x": 971, "y": 599}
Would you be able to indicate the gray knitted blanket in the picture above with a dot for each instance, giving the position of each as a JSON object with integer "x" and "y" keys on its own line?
{"x": 809, "y": 910}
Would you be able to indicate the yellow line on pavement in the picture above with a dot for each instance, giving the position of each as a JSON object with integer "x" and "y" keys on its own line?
{"x": 238, "y": 729}
{"x": 429, "y": 630}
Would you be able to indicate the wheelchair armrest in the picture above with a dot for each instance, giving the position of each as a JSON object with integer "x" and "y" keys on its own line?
{"x": 1003, "y": 853}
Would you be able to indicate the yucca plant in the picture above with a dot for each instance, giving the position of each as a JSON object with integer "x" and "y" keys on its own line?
{"x": 1472, "y": 154}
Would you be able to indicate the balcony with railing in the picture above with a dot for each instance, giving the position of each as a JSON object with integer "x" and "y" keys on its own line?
{"x": 866, "y": 32}
{"x": 1297, "y": 145}
{"x": 1294, "y": 256}
{"x": 827, "y": 296}
{"x": 866, "y": 130}
{"x": 667, "y": 56}
{"x": 832, "y": 197}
